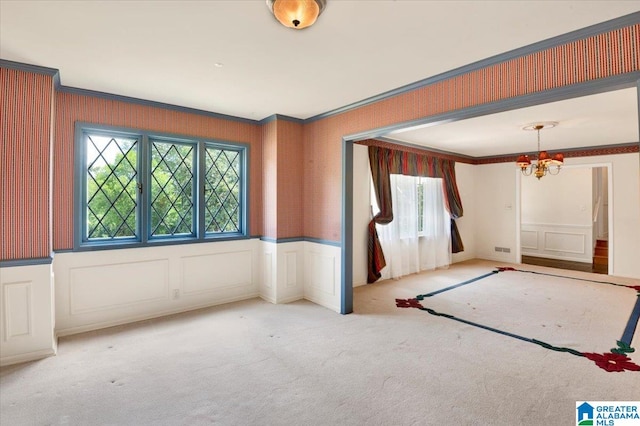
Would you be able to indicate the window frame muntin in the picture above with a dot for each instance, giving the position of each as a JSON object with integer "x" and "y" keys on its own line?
{"x": 143, "y": 163}
{"x": 81, "y": 237}
{"x": 194, "y": 192}
{"x": 244, "y": 171}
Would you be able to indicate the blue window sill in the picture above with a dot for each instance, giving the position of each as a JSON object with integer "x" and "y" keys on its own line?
{"x": 158, "y": 242}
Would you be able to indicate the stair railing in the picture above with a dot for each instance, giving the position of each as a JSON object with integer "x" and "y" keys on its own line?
{"x": 596, "y": 209}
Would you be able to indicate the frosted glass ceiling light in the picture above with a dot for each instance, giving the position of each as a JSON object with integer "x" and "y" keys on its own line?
{"x": 296, "y": 14}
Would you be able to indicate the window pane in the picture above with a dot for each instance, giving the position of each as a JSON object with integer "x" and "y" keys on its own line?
{"x": 172, "y": 189}
{"x": 435, "y": 216}
{"x": 222, "y": 190}
{"x": 111, "y": 187}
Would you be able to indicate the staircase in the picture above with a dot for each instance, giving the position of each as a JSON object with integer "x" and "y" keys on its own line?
{"x": 601, "y": 257}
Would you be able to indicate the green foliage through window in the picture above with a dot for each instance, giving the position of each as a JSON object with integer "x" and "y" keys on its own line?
{"x": 137, "y": 187}
{"x": 222, "y": 190}
{"x": 172, "y": 189}
{"x": 111, "y": 187}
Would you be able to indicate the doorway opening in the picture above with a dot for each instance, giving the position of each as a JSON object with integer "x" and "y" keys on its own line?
{"x": 564, "y": 219}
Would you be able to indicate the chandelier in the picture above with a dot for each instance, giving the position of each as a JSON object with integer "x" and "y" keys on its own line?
{"x": 545, "y": 163}
{"x": 296, "y": 14}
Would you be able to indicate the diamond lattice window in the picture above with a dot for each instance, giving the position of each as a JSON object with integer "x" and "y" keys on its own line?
{"x": 135, "y": 188}
{"x": 222, "y": 190}
{"x": 111, "y": 187}
{"x": 172, "y": 189}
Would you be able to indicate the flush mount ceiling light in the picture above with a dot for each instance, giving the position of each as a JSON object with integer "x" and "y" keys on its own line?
{"x": 296, "y": 14}
{"x": 544, "y": 163}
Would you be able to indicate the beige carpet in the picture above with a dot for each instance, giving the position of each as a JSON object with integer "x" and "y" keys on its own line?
{"x": 253, "y": 363}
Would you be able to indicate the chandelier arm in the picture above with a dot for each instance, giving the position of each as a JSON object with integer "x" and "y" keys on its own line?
{"x": 543, "y": 165}
{"x": 526, "y": 171}
{"x": 557, "y": 170}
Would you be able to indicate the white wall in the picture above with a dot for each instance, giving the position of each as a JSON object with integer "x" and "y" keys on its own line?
{"x": 283, "y": 272}
{"x": 625, "y": 197}
{"x": 496, "y": 210}
{"x": 26, "y": 313}
{"x": 495, "y": 197}
{"x": 104, "y": 288}
{"x": 361, "y": 212}
{"x": 556, "y": 215}
{"x": 561, "y": 199}
{"x": 322, "y": 274}
{"x": 109, "y": 287}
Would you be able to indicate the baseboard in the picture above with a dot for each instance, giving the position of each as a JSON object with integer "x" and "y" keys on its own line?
{"x": 507, "y": 259}
{"x": 567, "y": 258}
{"x": 322, "y": 303}
{"x": 29, "y": 356}
{"x": 128, "y": 320}
{"x": 282, "y": 301}
{"x": 267, "y": 299}
{"x": 291, "y": 299}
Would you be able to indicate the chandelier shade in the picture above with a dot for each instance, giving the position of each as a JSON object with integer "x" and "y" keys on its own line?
{"x": 296, "y": 14}
{"x": 558, "y": 159}
{"x": 544, "y": 157}
{"x": 545, "y": 162}
{"x": 523, "y": 161}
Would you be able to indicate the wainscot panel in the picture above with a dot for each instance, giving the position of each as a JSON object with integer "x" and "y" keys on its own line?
{"x": 26, "y": 313}
{"x": 111, "y": 287}
{"x": 282, "y": 280}
{"x": 557, "y": 241}
{"x": 322, "y": 274}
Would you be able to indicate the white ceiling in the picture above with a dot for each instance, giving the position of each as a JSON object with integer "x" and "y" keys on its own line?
{"x": 167, "y": 51}
{"x": 604, "y": 119}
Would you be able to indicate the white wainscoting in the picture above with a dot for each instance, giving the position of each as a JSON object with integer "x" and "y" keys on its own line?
{"x": 322, "y": 268}
{"x": 109, "y": 287}
{"x": 282, "y": 280}
{"x": 566, "y": 242}
{"x": 26, "y": 313}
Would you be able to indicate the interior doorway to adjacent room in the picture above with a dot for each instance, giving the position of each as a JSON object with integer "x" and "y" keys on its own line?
{"x": 565, "y": 219}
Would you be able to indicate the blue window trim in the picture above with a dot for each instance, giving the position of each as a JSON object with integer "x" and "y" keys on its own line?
{"x": 194, "y": 188}
{"x": 244, "y": 189}
{"x": 143, "y": 213}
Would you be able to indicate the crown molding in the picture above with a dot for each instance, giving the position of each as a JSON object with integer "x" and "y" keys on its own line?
{"x": 155, "y": 104}
{"x": 280, "y": 117}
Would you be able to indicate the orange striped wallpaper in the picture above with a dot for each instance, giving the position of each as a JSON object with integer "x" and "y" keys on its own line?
{"x": 26, "y": 102}
{"x": 73, "y": 107}
{"x": 604, "y": 55}
{"x": 290, "y": 172}
{"x": 282, "y": 166}
{"x": 270, "y": 174}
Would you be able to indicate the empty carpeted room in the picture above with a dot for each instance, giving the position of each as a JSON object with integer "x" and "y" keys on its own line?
{"x": 319, "y": 212}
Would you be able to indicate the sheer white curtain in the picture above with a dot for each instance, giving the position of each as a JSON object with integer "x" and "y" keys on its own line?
{"x": 409, "y": 246}
{"x": 435, "y": 238}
